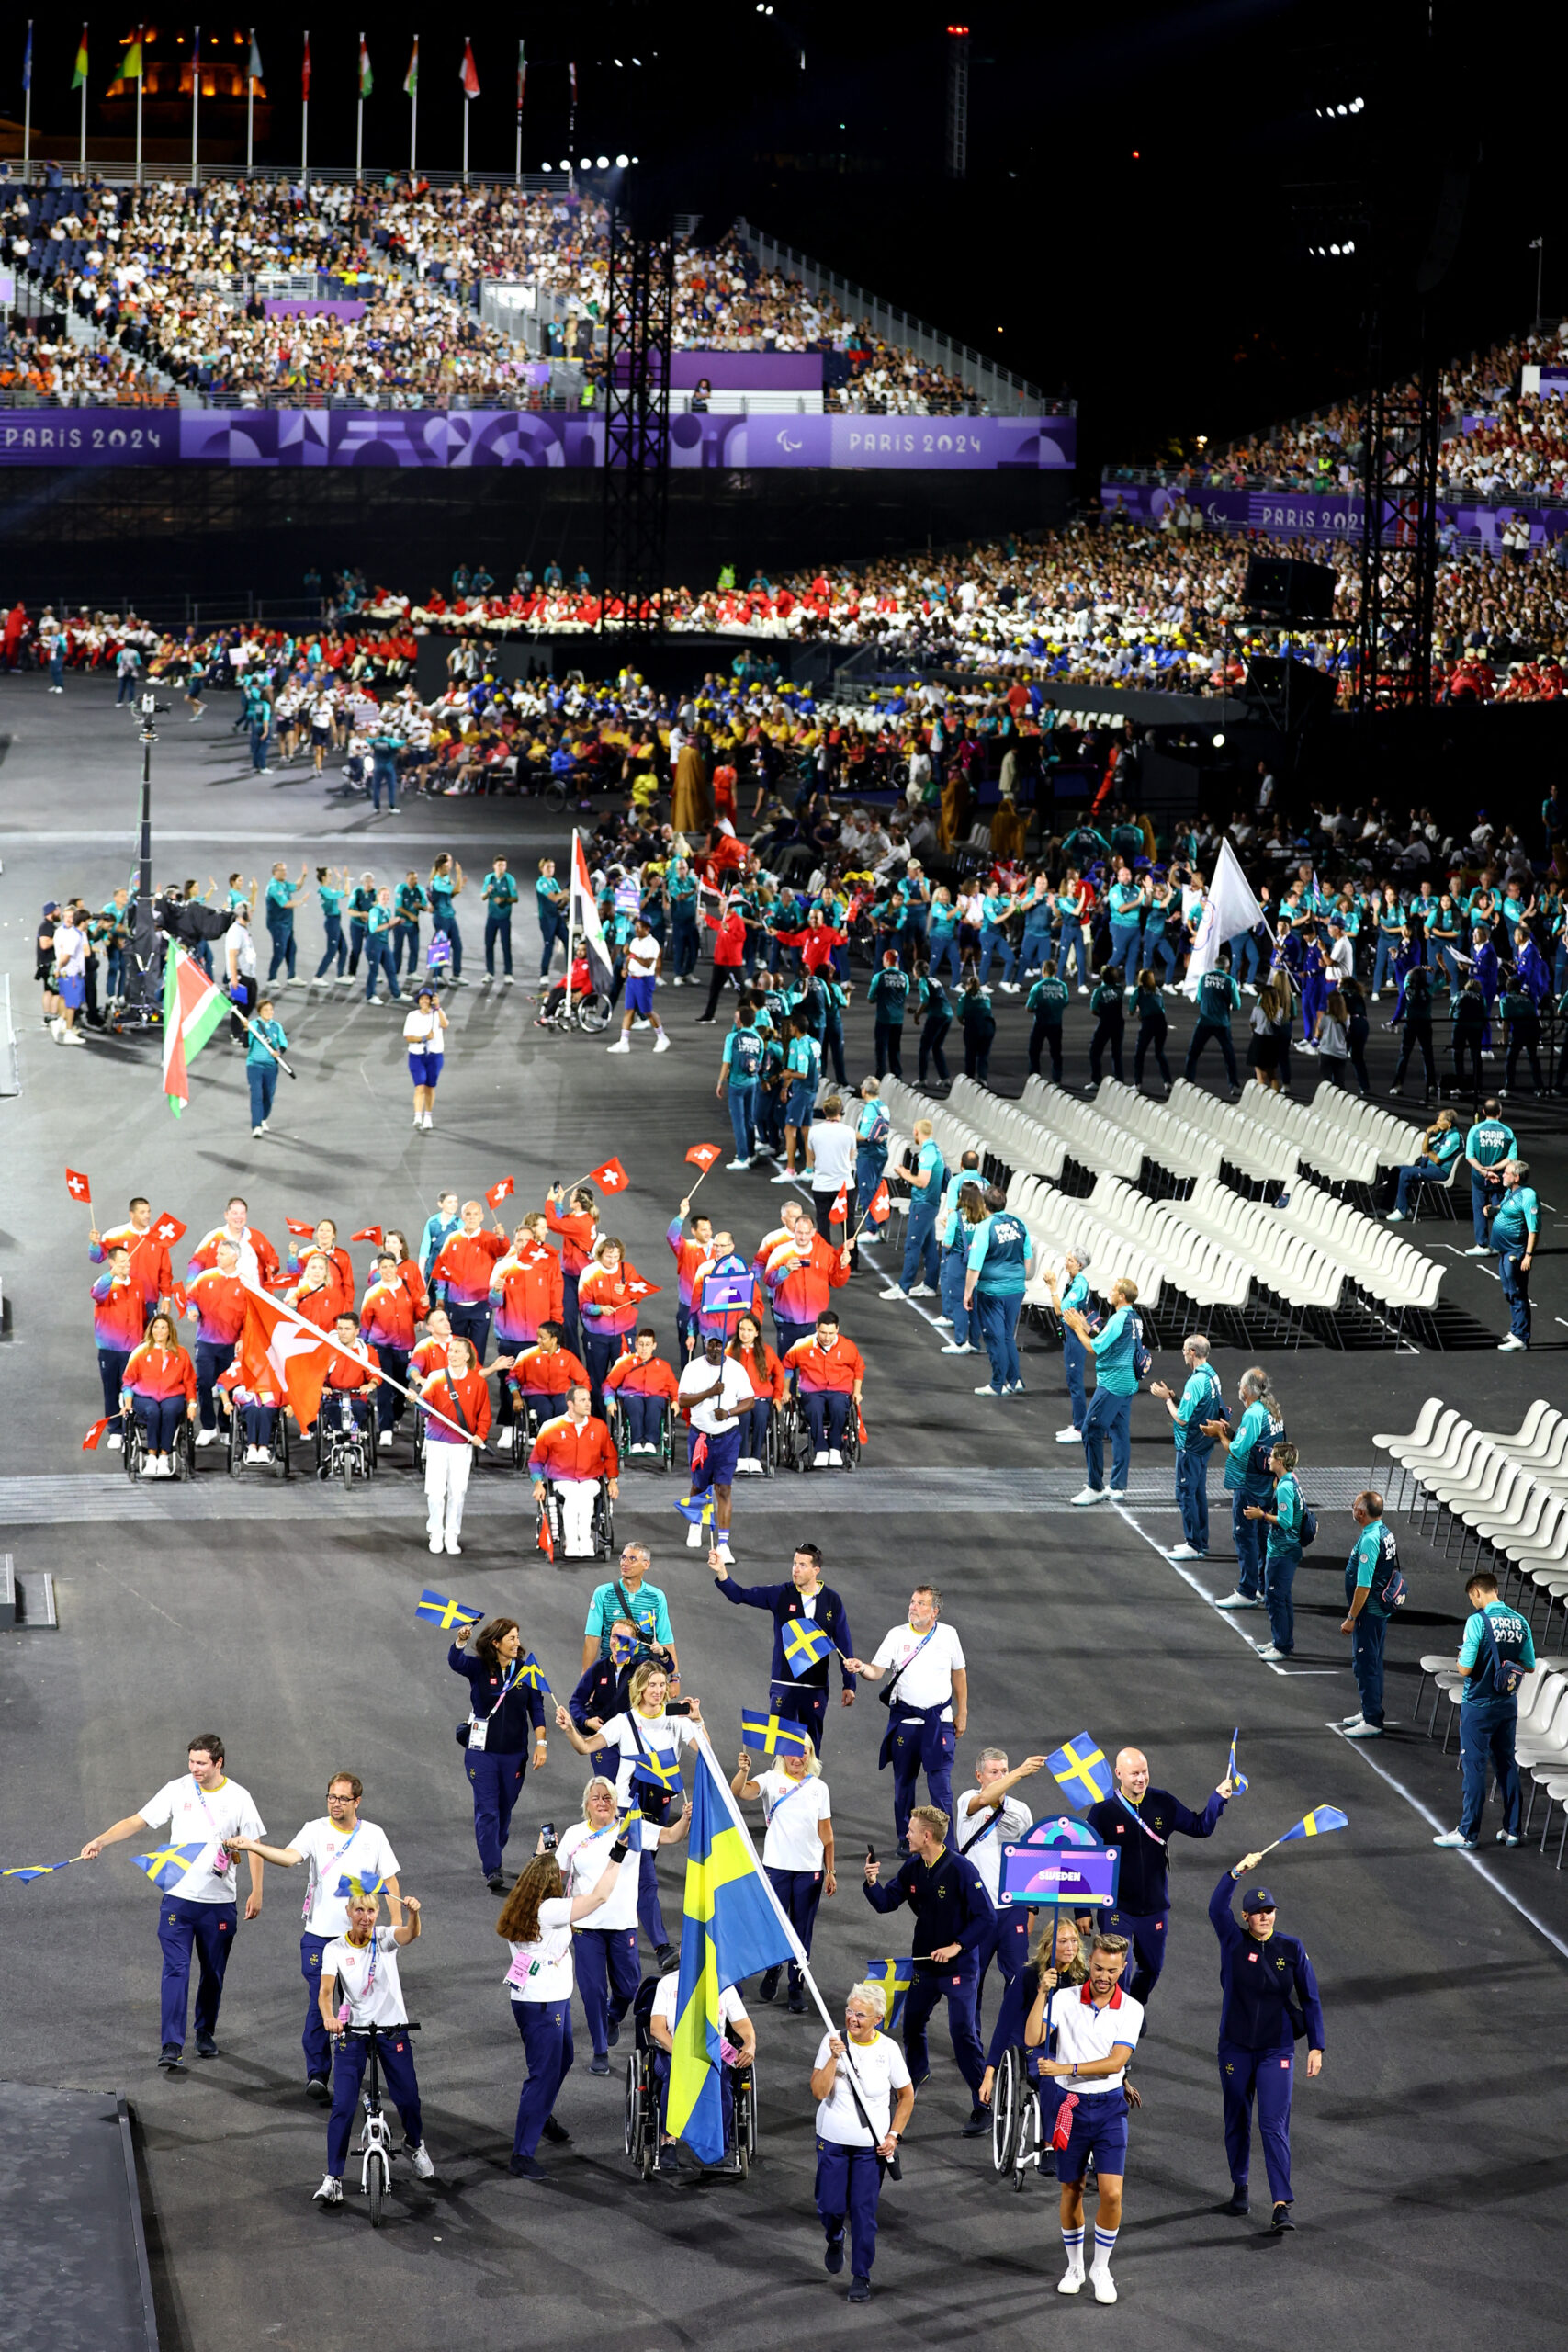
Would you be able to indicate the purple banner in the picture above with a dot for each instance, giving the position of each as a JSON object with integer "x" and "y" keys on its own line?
{"x": 747, "y": 371}
{"x": 1291, "y": 515}
{"x": 261, "y": 436}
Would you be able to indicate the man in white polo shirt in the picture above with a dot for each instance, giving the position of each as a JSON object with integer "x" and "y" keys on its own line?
{"x": 717, "y": 1391}
{"x": 928, "y": 1704}
{"x": 203, "y": 1808}
{"x": 1097, "y": 2026}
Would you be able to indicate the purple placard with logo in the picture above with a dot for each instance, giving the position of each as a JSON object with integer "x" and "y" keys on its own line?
{"x": 747, "y": 371}
{"x": 89, "y": 436}
{"x": 1300, "y": 515}
{"x": 1065, "y": 1874}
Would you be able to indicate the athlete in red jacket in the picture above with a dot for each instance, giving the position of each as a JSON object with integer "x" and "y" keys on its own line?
{"x": 572, "y": 1454}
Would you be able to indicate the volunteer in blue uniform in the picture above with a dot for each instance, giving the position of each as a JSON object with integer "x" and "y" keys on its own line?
{"x": 1001, "y": 1266}
{"x": 952, "y": 1915}
{"x": 1488, "y": 1143}
{"x": 602, "y": 1689}
{"x": 922, "y": 1274}
{"x": 928, "y": 1704}
{"x": 499, "y": 892}
{"x": 953, "y": 1232}
{"x": 1116, "y": 1349}
{"x": 1201, "y": 1400}
{"x": 871, "y": 1130}
{"x": 1494, "y": 1654}
{"x": 1073, "y": 1292}
{"x": 1248, "y": 1448}
{"x": 501, "y": 1705}
{"x": 1139, "y": 1822}
{"x": 802, "y": 1697}
{"x": 1372, "y": 1579}
{"x": 1270, "y": 1999}
{"x": 1516, "y": 1223}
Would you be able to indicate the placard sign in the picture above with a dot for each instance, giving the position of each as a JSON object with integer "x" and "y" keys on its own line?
{"x": 1059, "y": 1863}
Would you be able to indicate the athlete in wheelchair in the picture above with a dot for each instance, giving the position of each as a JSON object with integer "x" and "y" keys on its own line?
{"x": 346, "y": 1442}
{"x": 534, "y": 1387}
{"x": 770, "y": 1386}
{"x": 822, "y": 1411}
{"x": 1023, "y": 2102}
{"x": 648, "y": 2141}
{"x": 158, "y": 1405}
{"x": 258, "y": 1422}
{"x": 576, "y": 1470}
{"x": 639, "y": 1401}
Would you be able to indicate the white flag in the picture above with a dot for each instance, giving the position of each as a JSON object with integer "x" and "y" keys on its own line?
{"x": 1229, "y": 909}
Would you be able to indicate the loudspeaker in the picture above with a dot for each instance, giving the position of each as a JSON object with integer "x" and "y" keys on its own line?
{"x": 1284, "y": 589}
{"x": 1289, "y": 694}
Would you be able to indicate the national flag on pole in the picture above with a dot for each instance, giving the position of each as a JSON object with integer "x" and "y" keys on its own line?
{"x": 1317, "y": 1823}
{"x": 547, "y": 1542}
{"x": 131, "y": 70}
{"x": 305, "y": 73}
{"x": 880, "y": 1207}
{"x": 370, "y": 1233}
{"x": 366, "y": 81}
{"x": 167, "y": 1228}
{"x": 411, "y": 79}
{"x": 841, "y": 1210}
{"x": 533, "y": 1674}
{"x": 584, "y": 917}
{"x": 731, "y": 1929}
{"x": 772, "y": 1735}
{"x": 470, "y": 76}
{"x": 294, "y": 1351}
{"x": 90, "y": 1443}
{"x": 77, "y": 1184}
{"x": 193, "y": 1008}
{"x": 611, "y": 1177}
{"x": 80, "y": 75}
{"x": 805, "y": 1642}
{"x": 501, "y": 1191}
{"x": 640, "y": 1287}
{"x": 297, "y": 1225}
{"x": 254, "y": 69}
{"x": 1081, "y": 1769}
{"x": 28, "y": 59}
{"x": 657, "y": 1768}
{"x": 1229, "y": 909}
{"x": 703, "y": 1154}
{"x": 894, "y": 1976}
{"x": 450, "y": 1615}
{"x": 522, "y": 73}
{"x": 697, "y": 1510}
{"x": 1238, "y": 1780}
{"x": 169, "y": 1864}
{"x": 349, "y": 1885}
{"x": 571, "y": 73}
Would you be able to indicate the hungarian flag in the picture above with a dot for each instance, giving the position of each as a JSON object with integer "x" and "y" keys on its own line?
{"x": 470, "y": 76}
{"x": 370, "y": 1233}
{"x": 411, "y": 79}
{"x": 167, "y": 1228}
{"x": 279, "y": 1345}
{"x": 611, "y": 1177}
{"x": 703, "y": 1154}
{"x": 78, "y": 1187}
{"x": 367, "y": 82}
{"x": 80, "y": 75}
{"x": 305, "y": 73}
{"x": 192, "y": 1010}
{"x": 881, "y": 1207}
{"x": 90, "y": 1443}
{"x": 584, "y": 916}
{"x": 501, "y": 1191}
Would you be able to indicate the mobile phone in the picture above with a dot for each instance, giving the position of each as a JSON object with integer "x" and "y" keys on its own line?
{"x": 870, "y": 1853}
{"x": 677, "y": 1706}
{"x": 548, "y": 1835}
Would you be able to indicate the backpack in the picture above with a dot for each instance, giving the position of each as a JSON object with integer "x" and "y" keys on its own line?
{"x": 1143, "y": 1361}
{"x": 1306, "y": 1533}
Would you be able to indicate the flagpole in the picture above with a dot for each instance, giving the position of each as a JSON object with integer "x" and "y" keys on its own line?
{"x": 359, "y": 120}
{"x": 28, "y": 108}
{"x": 521, "y": 85}
{"x": 196, "y": 109}
{"x": 251, "y": 108}
{"x": 413, "y": 110}
{"x": 305, "y": 121}
{"x": 141, "y": 78}
{"x": 82, "y": 159}
{"x": 466, "y": 104}
{"x": 280, "y": 1306}
{"x": 571, "y": 920}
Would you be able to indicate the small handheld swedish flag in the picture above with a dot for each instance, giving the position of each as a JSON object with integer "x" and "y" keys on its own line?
{"x": 805, "y": 1642}
{"x": 25, "y": 1872}
{"x": 1081, "y": 1769}
{"x": 1317, "y": 1823}
{"x": 348, "y": 1884}
{"x": 533, "y": 1674}
{"x": 1238, "y": 1780}
{"x": 168, "y": 1865}
{"x": 894, "y": 1976}
{"x": 436, "y": 1610}
{"x": 656, "y": 1770}
{"x": 696, "y": 1509}
{"x": 770, "y": 1734}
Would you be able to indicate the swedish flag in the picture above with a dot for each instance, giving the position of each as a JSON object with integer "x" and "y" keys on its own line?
{"x": 730, "y": 1931}
{"x": 773, "y": 1735}
{"x": 533, "y": 1674}
{"x": 656, "y": 1770}
{"x": 1317, "y": 1823}
{"x": 436, "y": 1610}
{"x": 894, "y": 1976}
{"x": 697, "y": 1510}
{"x": 348, "y": 1884}
{"x": 27, "y": 1872}
{"x": 805, "y": 1642}
{"x": 1238, "y": 1780}
{"x": 169, "y": 1864}
{"x": 1081, "y": 1769}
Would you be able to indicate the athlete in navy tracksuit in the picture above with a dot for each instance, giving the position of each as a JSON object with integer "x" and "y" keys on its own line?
{"x": 1139, "y": 1822}
{"x": 1270, "y": 1994}
{"x": 802, "y": 1697}
{"x": 952, "y": 1913}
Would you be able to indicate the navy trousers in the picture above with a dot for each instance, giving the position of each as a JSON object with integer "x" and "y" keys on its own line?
{"x": 1366, "y": 1639}
{"x": 1192, "y": 1495}
{"x": 1486, "y": 1730}
{"x": 909, "y": 1747}
{"x": 394, "y": 2058}
{"x": 211, "y": 1358}
{"x": 607, "y": 1978}
{"x": 803, "y": 1703}
{"x": 1006, "y": 1942}
{"x": 799, "y": 1894}
{"x": 208, "y": 1929}
{"x": 1266, "y": 2076}
{"x": 958, "y": 1984}
{"x": 546, "y": 2029}
{"x": 1147, "y": 1931}
{"x": 317, "y": 2044}
{"x": 497, "y": 1782}
{"x": 1248, "y": 1535}
{"x": 111, "y": 1372}
{"x": 470, "y": 1323}
{"x": 1108, "y": 1416}
{"x": 849, "y": 2183}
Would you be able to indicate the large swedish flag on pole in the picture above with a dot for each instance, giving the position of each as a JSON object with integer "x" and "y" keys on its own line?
{"x": 731, "y": 1929}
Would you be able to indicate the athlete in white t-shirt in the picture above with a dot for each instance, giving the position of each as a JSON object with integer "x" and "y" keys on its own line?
{"x": 797, "y": 1850}
{"x": 989, "y": 1818}
{"x": 857, "y": 2077}
{"x": 735, "y": 2030}
{"x": 196, "y": 1871}
{"x": 606, "y": 1947}
{"x": 536, "y": 1920}
{"x": 645, "y": 959}
{"x": 360, "y": 1986}
{"x": 929, "y": 1704}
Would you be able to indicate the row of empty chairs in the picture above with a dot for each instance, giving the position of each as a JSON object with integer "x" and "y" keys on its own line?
{"x": 1540, "y": 1738}
{"x": 1501, "y": 1496}
{"x": 1187, "y": 1140}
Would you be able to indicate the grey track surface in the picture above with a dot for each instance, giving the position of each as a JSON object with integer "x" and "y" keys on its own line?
{"x": 1430, "y": 2155}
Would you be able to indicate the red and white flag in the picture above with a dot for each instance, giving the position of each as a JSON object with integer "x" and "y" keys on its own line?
{"x": 841, "y": 1210}
{"x": 881, "y": 1207}
{"x": 90, "y": 1443}
{"x": 370, "y": 1233}
{"x": 501, "y": 1191}
{"x": 583, "y": 913}
{"x": 305, "y": 73}
{"x": 547, "y": 1540}
{"x": 293, "y": 1352}
{"x": 703, "y": 1154}
{"x": 297, "y": 1225}
{"x": 471, "y": 74}
{"x": 78, "y": 1187}
{"x": 167, "y": 1228}
{"x": 611, "y": 1177}
{"x": 640, "y": 1288}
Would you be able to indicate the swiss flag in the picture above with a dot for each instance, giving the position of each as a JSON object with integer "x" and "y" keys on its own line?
{"x": 370, "y": 1233}
{"x": 640, "y": 1288}
{"x": 703, "y": 1154}
{"x": 469, "y": 74}
{"x": 500, "y": 1192}
{"x": 841, "y": 1210}
{"x": 297, "y": 1226}
{"x": 295, "y": 1351}
{"x": 77, "y": 1186}
{"x": 859, "y": 1425}
{"x": 167, "y": 1228}
{"x": 90, "y": 1443}
{"x": 881, "y": 1207}
{"x": 547, "y": 1540}
{"x": 612, "y": 1177}
{"x": 180, "y": 1296}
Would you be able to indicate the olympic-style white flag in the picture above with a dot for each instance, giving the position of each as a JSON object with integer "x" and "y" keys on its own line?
{"x": 1230, "y": 908}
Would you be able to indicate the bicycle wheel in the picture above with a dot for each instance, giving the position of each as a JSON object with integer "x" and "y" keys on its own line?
{"x": 376, "y": 2185}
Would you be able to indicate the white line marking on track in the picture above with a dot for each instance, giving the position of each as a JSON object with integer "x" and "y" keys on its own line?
{"x": 1288, "y": 1673}
{"x": 1498, "y": 1885}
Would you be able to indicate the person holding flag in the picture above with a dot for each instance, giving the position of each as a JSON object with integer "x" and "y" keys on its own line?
{"x": 797, "y": 1850}
{"x": 609, "y": 1297}
{"x": 830, "y": 1374}
{"x": 1270, "y": 1999}
{"x": 456, "y": 1421}
{"x": 693, "y": 1253}
{"x": 198, "y": 1907}
{"x": 799, "y": 1271}
{"x": 810, "y": 1622}
{"x": 505, "y": 1699}
{"x": 524, "y": 1295}
{"x": 577, "y": 1229}
{"x": 726, "y": 1290}
{"x": 216, "y": 1300}
{"x": 258, "y": 1260}
{"x": 119, "y": 1324}
{"x": 865, "y": 2098}
{"x": 646, "y": 1738}
{"x": 387, "y": 1327}
{"x": 360, "y": 1986}
{"x": 465, "y": 1267}
{"x": 604, "y": 1952}
{"x": 714, "y": 1391}
{"x": 644, "y": 963}
{"x": 952, "y": 1919}
{"x": 928, "y": 1704}
{"x": 1139, "y": 1822}
{"x": 148, "y": 1245}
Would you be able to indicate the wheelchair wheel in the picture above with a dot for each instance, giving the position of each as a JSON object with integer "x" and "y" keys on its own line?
{"x": 665, "y": 1462}
{"x": 593, "y": 1014}
{"x": 555, "y": 796}
{"x": 346, "y": 1467}
{"x": 236, "y": 1446}
{"x": 642, "y": 2110}
{"x": 851, "y": 1446}
{"x": 416, "y": 1440}
{"x": 133, "y": 1452}
{"x": 183, "y": 1454}
{"x": 1026, "y": 2150}
{"x": 746, "y": 2118}
{"x": 1009, "y": 2091}
{"x": 604, "y": 1526}
{"x": 280, "y": 1442}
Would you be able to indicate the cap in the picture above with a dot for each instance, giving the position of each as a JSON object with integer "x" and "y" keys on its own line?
{"x": 1258, "y": 1898}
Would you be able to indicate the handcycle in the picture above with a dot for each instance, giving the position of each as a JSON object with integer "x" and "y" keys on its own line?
{"x": 346, "y": 1449}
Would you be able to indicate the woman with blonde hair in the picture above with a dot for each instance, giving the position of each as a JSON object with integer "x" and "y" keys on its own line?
{"x": 605, "y": 1949}
{"x": 856, "y": 2080}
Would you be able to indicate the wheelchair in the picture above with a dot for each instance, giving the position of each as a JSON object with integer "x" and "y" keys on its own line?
{"x": 344, "y": 1449}
{"x": 1020, "y": 2143}
{"x": 663, "y": 1458}
{"x": 791, "y": 1435}
{"x": 526, "y": 1420}
{"x": 133, "y": 1446}
{"x": 641, "y": 2132}
{"x": 603, "y": 1519}
{"x": 590, "y": 1014}
{"x": 279, "y": 1456}
{"x": 768, "y": 1452}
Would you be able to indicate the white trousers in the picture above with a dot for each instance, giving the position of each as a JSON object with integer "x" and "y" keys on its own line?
{"x": 578, "y": 1496}
{"x": 445, "y": 1483}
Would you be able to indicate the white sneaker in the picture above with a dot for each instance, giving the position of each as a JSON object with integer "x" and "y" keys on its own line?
{"x": 620, "y": 1046}
{"x": 1348, "y": 1723}
{"x": 1104, "y": 2286}
{"x": 1512, "y": 1344}
{"x": 1088, "y": 1495}
{"x": 419, "y": 2158}
{"x": 922, "y": 1290}
{"x": 725, "y": 1554}
{"x": 893, "y": 1291}
{"x": 329, "y": 2191}
{"x": 1117, "y": 1494}
{"x": 1363, "y": 1731}
{"x": 1394, "y": 1216}
{"x": 116, "y": 1443}
{"x": 429, "y": 1123}
{"x": 738, "y": 1163}
{"x": 1237, "y": 1601}
{"x": 1071, "y": 2280}
{"x": 149, "y": 1467}
{"x": 1453, "y": 1837}
{"x": 435, "y": 1542}
{"x": 835, "y": 1459}
{"x": 453, "y": 1548}
{"x": 1069, "y": 1437}
{"x": 661, "y": 1043}
{"x": 507, "y": 1437}
{"x": 206, "y": 1437}
{"x": 1183, "y": 1552}
{"x": 820, "y": 1461}
{"x": 693, "y": 1538}
{"x": 1270, "y": 1653}
{"x": 255, "y": 1131}
{"x": 419, "y": 1118}
{"x": 989, "y": 1388}
{"x": 784, "y": 1176}
{"x": 1478, "y": 1249}
{"x": 957, "y": 1348}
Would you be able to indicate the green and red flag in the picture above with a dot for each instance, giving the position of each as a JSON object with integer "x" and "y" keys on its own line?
{"x": 193, "y": 1008}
